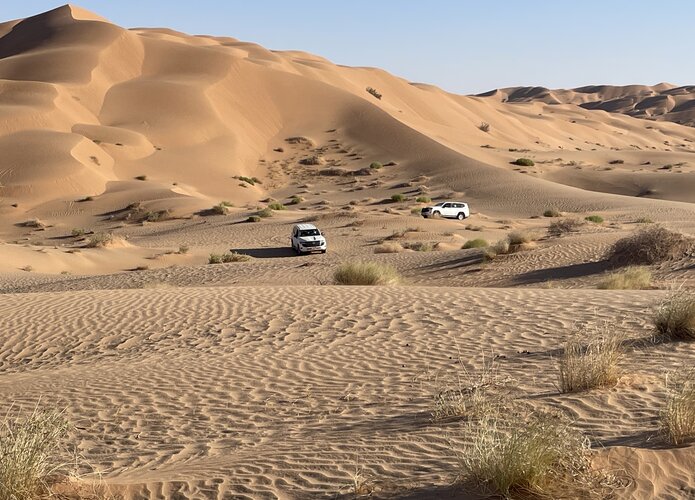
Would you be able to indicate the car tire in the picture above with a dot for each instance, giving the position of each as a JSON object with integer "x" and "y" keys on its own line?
{"x": 461, "y": 216}
{"x": 323, "y": 251}
{"x": 436, "y": 215}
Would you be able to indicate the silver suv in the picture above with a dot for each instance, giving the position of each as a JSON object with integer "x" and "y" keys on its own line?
{"x": 306, "y": 238}
{"x": 449, "y": 209}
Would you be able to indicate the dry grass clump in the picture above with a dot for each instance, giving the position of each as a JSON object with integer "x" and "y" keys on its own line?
{"x": 220, "y": 209}
{"x": 596, "y": 219}
{"x": 564, "y": 226}
{"x": 418, "y": 246}
{"x": 484, "y": 126}
{"x": 552, "y": 212}
{"x": 476, "y": 243}
{"x": 34, "y": 224}
{"x": 365, "y": 273}
{"x": 675, "y": 317}
{"x": 388, "y": 247}
{"x": 591, "y": 359}
{"x": 227, "y": 257}
{"x": 265, "y": 213}
{"x": 524, "y": 162}
{"x": 29, "y": 450}
{"x": 277, "y": 206}
{"x": 398, "y": 198}
{"x": 99, "y": 240}
{"x": 517, "y": 452}
{"x": 649, "y": 246}
{"x": 630, "y": 278}
{"x": 678, "y": 417}
{"x": 521, "y": 237}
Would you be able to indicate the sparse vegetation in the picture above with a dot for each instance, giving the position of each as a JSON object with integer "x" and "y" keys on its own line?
{"x": 678, "y": 417}
{"x": 552, "y": 212}
{"x": 484, "y": 126}
{"x": 99, "y": 240}
{"x": 365, "y": 273}
{"x": 78, "y": 232}
{"x": 388, "y": 247}
{"x": 616, "y": 162}
{"x": 418, "y": 246}
{"x": 183, "y": 249}
{"x": 312, "y": 160}
{"x": 591, "y": 359}
{"x": 475, "y": 243}
{"x": 423, "y": 199}
{"x": 227, "y": 257}
{"x": 219, "y": 209}
{"x": 675, "y": 317}
{"x": 520, "y": 237}
{"x": 649, "y": 246}
{"x": 644, "y": 220}
{"x": 265, "y": 213}
{"x": 295, "y": 200}
{"x": 398, "y": 198}
{"x": 630, "y": 278}
{"x": 564, "y": 226}
{"x": 374, "y": 92}
{"x": 276, "y": 206}
{"x": 375, "y": 165}
{"x": 248, "y": 180}
{"x": 597, "y": 219}
{"x": 29, "y": 448}
{"x": 524, "y": 162}
{"x": 254, "y": 218}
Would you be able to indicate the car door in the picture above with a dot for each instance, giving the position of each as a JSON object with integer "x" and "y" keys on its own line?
{"x": 448, "y": 210}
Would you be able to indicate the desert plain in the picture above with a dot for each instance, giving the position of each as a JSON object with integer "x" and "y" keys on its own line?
{"x": 129, "y": 157}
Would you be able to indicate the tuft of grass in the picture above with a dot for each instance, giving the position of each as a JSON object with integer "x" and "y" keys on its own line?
{"x": 597, "y": 219}
{"x": 591, "y": 359}
{"x": 644, "y": 220}
{"x": 29, "y": 449}
{"x": 78, "y": 232}
{"x": 276, "y": 206}
{"x": 99, "y": 240}
{"x": 365, "y": 273}
{"x": 616, "y": 162}
{"x": 649, "y": 246}
{"x": 476, "y": 243}
{"x": 376, "y": 165}
{"x": 630, "y": 278}
{"x": 265, "y": 213}
{"x": 564, "y": 226}
{"x": 678, "y": 417}
{"x": 254, "y": 218}
{"x": 675, "y": 317}
{"x": 374, "y": 92}
{"x": 524, "y": 162}
{"x": 418, "y": 246}
{"x": 248, "y": 180}
{"x": 423, "y": 199}
{"x": 295, "y": 200}
{"x": 397, "y": 198}
{"x": 227, "y": 257}
{"x": 388, "y": 247}
{"x": 531, "y": 453}
{"x": 552, "y": 212}
{"x": 484, "y": 126}
{"x": 521, "y": 237}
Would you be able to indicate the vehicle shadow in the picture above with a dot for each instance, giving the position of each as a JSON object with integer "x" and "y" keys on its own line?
{"x": 266, "y": 253}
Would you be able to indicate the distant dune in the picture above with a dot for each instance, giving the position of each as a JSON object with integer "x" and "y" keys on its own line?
{"x": 659, "y": 102}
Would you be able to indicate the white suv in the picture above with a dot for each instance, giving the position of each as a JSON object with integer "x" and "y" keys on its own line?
{"x": 307, "y": 238}
{"x": 448, "y": 209}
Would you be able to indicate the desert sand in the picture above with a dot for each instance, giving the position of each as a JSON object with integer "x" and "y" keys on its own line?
{"x": 261, "y": 378}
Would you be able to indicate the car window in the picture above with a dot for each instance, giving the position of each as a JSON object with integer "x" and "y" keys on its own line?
{"x": 309, "y": 232}
{"x": 447, "y": 205}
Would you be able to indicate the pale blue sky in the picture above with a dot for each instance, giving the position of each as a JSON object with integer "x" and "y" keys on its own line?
{"x": 463, "y": 46}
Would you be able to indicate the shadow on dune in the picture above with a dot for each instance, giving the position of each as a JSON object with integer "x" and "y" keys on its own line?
{"x": 562, "y": 272}
{"x": 648, "y": 440}
{"x": 430, "y": 492}
{"x": 266, "y": 253}
{"x": 466, "y": 260}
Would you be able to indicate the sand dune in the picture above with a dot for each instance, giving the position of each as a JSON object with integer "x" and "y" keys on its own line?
{"x": 260, "y": 378}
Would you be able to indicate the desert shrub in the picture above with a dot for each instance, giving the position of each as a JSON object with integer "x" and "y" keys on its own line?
{"x": 484, "y": 126}
{"x": 295, "y": 200}
{"x": 649, "y": 246}
{"x": 533, "y": 453}
{"x": 365, "y": 273}
{"x": 77, "y": 232}
{"x": 312, "y": 160}
{"x": 215, "y": 258}
{"x": 248, "y": 180}
{"x": 564, "y": 226}
{"x": 630, "y": 278}
{"x": 397, "y": 198}
{"x": 183, "y": 249}
{"x": 524, "y": 162}
{"x": 29, "y": 450}
{"x": 423, "y": 199}
{"x": 644, "y": 220}
{"x": 418, "y": 246}
{"x": 591, "y": 359}
{"x": 141, "y": 177}
{"x": 552, "y": 212}
{"x": 376, "y": 165}
{"x": 678, "y": 417}
{"x": 254, "y": 218}
{"x": 675, "y": 317}
{"x": 594, "y": 218}
{"x": 219, "y": 209}
{"x": 33, "y": 223}
{"x": 276, "y": 206}
{"x": 476, "y": 243}
{"x": 234, "y": 257}
{"x": 265, "y": 213}
{"x": 388, "y": 247}
{"x": 521, "y": 237}
{"x": 374, "y": 92}
{"x": 99, "y": 240}
{"x": 156, "y": 215}
{"x": 501, "y": 247}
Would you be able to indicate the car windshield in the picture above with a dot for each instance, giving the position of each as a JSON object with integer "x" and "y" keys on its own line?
{"x": 309, "y": 232}
{"x": 439, "y": 204}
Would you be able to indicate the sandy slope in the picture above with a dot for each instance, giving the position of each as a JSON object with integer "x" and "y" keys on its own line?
{"x": 260, "y": 379}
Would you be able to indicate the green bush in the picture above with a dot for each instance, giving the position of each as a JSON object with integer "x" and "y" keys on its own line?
{"x": 594, "y": 218}
{"x": 398, "y": 198}
{"x": 99, "y": 240}
{"x": 376, "y": 165}
{"x": 552, "y": 212}
{"x": 254, "y": 218}
{"x": 276, "y": 206}
{"x": 265, "y": 213}
{"x": 423, "y": 199}
{"x": 524, "y": 162}
{"x": 476, "y": 243}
